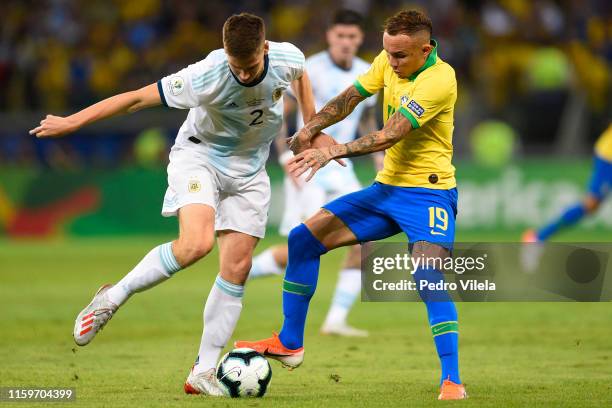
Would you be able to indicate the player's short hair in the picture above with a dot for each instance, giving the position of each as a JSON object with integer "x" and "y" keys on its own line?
{"x": 408, "y": 22}
{"x": 347, "y": 17}
{"x": 243, "y": 35}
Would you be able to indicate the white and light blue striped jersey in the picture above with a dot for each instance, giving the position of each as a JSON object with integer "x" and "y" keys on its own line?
{"x": 232, "y": 124}
{"x": 328, "y": 80}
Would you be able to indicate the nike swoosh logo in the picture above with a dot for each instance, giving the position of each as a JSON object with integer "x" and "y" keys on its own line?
{"x": 438, "y": 329}
{"x": 437, "y": 233}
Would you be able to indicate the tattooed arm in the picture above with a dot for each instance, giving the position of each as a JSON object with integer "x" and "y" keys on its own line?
{"x": 334, "y": 111}
{"x": 396, "y": 128}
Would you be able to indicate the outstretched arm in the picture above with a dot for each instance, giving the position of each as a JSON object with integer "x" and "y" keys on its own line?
{"x": 302, "y": 89}
{"x": 128, "y": 102}
{"x": 334, "y": 111}
{"x": 396, "y": 128}
{"x": 280, "y": 142}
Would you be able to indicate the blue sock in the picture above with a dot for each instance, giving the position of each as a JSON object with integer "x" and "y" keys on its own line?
{"x": 300, "y": 283}
{"x": 443, "y": 321}
{"x": 571, "y": 216}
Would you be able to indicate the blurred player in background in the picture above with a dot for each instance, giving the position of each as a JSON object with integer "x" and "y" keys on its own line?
{"x": 330, "y": 72}
{"x": 599, "y": 187}
{"x": 414, "y": 193}
{"x": 218, "y": 185}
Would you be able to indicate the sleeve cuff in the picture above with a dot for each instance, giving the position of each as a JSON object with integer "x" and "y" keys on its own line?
{"x": 160, "y": 88}
{"x": 408, "y": 115}
{"x": 361, "y": 89}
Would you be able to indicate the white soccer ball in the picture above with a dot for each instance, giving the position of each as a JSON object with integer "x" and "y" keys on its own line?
{"x": 243, "y": 372}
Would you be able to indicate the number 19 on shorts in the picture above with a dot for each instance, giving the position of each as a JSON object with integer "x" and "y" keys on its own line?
{"x": 438, "y": 220}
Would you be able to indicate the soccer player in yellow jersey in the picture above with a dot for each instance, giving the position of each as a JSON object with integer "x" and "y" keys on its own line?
{"x": 599, "y": 187}
{"x": 414, "y": 193}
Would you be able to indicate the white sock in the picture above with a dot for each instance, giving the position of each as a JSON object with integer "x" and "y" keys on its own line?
{"x": 347, "y": 290}
{"x": 264, "y": 264}
{"x": 221, "y": 314}
{"x": 157, "y": 266}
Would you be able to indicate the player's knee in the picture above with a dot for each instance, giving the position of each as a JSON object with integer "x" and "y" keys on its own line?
{"x": 303, "y": 243}
{"x": 238, "y": 267}
{"x": 294, "y": 236}
{"x": 195, "y": 249}
{"x": 200, "y": 248}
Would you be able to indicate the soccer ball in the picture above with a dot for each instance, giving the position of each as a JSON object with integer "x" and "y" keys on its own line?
{"x": 243, "y": 372}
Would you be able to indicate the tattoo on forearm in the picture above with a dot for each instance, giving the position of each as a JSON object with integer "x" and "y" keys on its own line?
{"x": 338, "y": 150}
{"x": 335, "y": 110}
{"x": 393, "y": 132}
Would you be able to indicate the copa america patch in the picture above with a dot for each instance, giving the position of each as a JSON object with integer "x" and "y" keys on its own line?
{"x": 416, "y": 108}
{"x": 177, "y": 84}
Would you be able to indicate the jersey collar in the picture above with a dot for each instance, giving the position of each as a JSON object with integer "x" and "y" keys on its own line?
{"x": 340, "y": 67}
{"x": 258, "y": 80}
{"x": 431, "y": 60}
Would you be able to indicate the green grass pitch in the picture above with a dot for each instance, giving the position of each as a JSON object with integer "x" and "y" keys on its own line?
{"x": 511, "y": 355}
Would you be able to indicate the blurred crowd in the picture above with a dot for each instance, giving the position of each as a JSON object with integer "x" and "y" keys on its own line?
{"x": 520, "y": 61}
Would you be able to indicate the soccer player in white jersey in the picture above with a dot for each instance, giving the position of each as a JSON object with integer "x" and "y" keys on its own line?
{"x": 216, "y": 176}
{"x": 330, "y": 72}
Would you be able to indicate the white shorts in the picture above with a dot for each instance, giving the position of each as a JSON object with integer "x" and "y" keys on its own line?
{"x": 328, "y": 184}
{"x": 240, "y": 204}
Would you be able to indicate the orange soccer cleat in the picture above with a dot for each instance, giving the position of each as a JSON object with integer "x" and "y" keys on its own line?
{"x": 529, "y": 236}
{"x": 273, "y": 348}
{"x": 452, "y": 391}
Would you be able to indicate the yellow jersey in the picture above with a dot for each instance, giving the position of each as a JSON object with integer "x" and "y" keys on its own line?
{"x": 603, "y": 146}
{"x": 427, "y": 99}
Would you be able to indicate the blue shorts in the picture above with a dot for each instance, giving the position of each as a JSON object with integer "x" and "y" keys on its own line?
{"x": 380, "y": 211}
{"x": 601, "y": 178}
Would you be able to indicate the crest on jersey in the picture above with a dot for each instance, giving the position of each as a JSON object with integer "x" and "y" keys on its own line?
{"x": 193, "y": 186}
{"x": 403, "y": 100}
{"x": 177, "y": 84}
{"x": 276, "y": 95}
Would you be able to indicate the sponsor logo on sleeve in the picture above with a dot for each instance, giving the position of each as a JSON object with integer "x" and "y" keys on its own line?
{"x": 177, "y": 85}
{"x": 416, "y": 108}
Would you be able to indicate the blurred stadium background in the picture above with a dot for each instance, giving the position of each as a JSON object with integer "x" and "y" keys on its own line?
{"x": 534, "y": 94}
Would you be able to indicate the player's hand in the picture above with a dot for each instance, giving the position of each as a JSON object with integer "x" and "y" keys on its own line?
{"x": 283, "y": 160}
{"x": 54, "y": 126}
{"x": 321, "y": 140}
{"x": 297, "y": 181}
{"x": 299, "y": 142}
{"x": 312, "y": 159}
